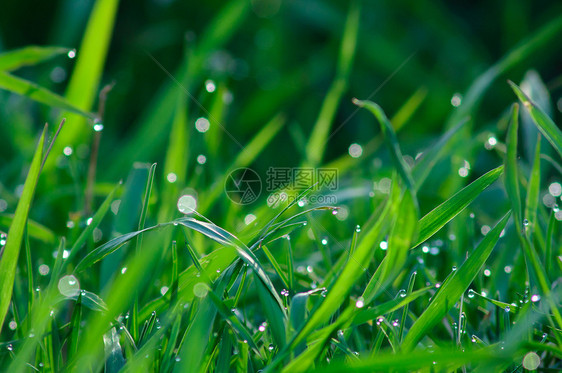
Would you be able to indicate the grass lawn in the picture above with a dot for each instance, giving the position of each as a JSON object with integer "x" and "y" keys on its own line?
{"x": 267, "y": 185}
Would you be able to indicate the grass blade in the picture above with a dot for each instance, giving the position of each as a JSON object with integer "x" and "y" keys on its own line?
{"x": 511, "y": 170}
{"x": 391, "y": 141}
{"x": 319, "y": 136}
{"x": 9, "y": 260}
{"x": 83, "y": 86}
{"x": 37, "y": 93}
{"x": 543, "y": 122}
{"x": 452, "y": 290}
{"x": 533, "y": 190}
{"x": 442, "y": 214}
{"x": 27, "y": 56}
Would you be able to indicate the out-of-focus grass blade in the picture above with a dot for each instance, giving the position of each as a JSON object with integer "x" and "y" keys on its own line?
{"x": 155, "y": 120}
{"x": 83, "y": 86}
{"x": 391, "y": 141}
{"x": 9, "y": 260}
{"x": 533, "y": 189}
{"x": 28, "y": 56}
{"x": 114, "y": 360}
{"x": 245, "y": 158}
{"x": 543, "y": 122}
{"x": 442, "y": 214}
{"x": 37, "y": 93}
{"x": 34, "y": 229}
{"x": 452, "y": 289}
{"x": 408, "y": 109}
{"x": 526, "y": 48}
{"x": 511, "y": 170}
{"x": 319, "y": 136}
{"x": 430, "y": 158}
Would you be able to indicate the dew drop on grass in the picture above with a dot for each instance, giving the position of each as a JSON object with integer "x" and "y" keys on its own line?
{"x": 301, "y": 203}
{"x": 201, "y": 159}
{"x": 334, "y": 212}
{"x": 69, "y": 286}
{"x": 324, "y": 241}
{"x": 123, "y": 270}
{"x": 10, "y": 347}
{"x": 271, "y": 347}
{"x": 383, "y": 245}
{"x": 525, "y": 222}
{"x": 402, "y": 293}
{"x": 470, "y": 293}
{"x": 507, "y": 309}
{"x": 487, "y": 272}
{"x": 187, "y": 204}
{"x": 395, "y": 322}
{"x": 360, "y": 302}
{"x": 98, "y": 127}
{"x": 454, "y": 268}
{"x": 358, "y": 228}
{"x": 210, "y": 86}
{"x": 71, "y": 53}
{"x": 13, "y": 325}
{"x": 535, "y": 298}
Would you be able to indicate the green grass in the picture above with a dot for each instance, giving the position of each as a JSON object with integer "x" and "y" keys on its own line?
{"x": 439, "y": 251}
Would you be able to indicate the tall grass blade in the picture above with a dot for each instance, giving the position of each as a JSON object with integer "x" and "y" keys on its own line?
{"x": 9, "y": 260}
{"x": 318, "y": 138}
{"x": 543, "y": 122}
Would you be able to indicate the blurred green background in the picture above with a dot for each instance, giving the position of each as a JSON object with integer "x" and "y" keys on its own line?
{"x": 280, "y": 57}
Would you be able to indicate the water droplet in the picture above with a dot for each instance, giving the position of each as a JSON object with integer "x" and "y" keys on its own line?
{"x": 456, "y": 100}
{"x": 358, "y": 228}
{"x": 202, "y": 125}
{"x": 285, "y": 292}
{"x": 262, "y": 327}
{"x": 396, "y": 322}
{"x": 44, "y": 270}
{"x": 178, "y": 358}
{"x": 454, "y": 268}
{"x": 324, "y": 241}
{"x": 187, "y": 204}
{"x": 309, "y": 269}
{"x": 271, "y": 347}
{"x": 473, "y": 339}
{"x": 355, "y": 150}
{"x": 123, "y": 270}
{"x": 98, "y": 127}
{"x": 201, "y": 159}
{"x": 360, "y": 302}
{"x": 402, "y": 293}
{"x": 10, "y": 347}
{"x": 301, "y": 203}
{"x": 210, "y": 86}
{"x": 72, "y": 53}
{"x": 13, "y": 325}
{"x": 507, "y": 269}
{"x": 438, "y": 285}
{"x": 334, "y": 212}
{"x": 535, "y": 298}
{"x": 487, "y": 272}
{"x": 383, "y": 245}
{"x": 507, "y": 309}
{"x": 249, "y": 219}
{"x": 172, "y": 177}
{"x": 340, "y": 333}
{"x": 380, "y": 320}
{"x": 471, "y": 293}
{"x": 69, "y": 286}
{"x": 525, "y": 222}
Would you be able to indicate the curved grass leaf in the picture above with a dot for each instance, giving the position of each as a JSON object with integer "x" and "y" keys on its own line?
{"x": 511, "y": 169}
{"x": 436, "y": 219}
{"x": 533, "y": 190}
{"x": 543, "y": 122}
{"x": 9, "y": 260}
{"x": 27, "y": 56}
{"x": 391, "y": 141}
{"x": 452, "y": 289}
